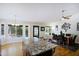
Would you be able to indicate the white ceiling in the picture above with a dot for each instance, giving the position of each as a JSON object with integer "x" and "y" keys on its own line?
{"x": 36, "y": 12}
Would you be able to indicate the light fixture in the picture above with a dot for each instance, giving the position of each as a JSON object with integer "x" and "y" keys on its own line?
{"x": 65, "y": 17}
{"x": 15, "y": 24}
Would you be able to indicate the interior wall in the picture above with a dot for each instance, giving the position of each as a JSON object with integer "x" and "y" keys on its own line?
{"x": 5, "y": 40}
{"x": 73, "y": 21}
{"x": 30, "y": 28}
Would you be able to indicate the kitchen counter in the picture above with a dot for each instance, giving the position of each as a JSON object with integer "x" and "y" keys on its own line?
{"x": 43, "y": 51}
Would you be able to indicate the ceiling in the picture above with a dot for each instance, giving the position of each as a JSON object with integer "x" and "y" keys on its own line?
{"x": 36, "y": 12}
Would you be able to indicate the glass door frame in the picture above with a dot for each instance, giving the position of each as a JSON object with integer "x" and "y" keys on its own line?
{"x": 36, "y": 31}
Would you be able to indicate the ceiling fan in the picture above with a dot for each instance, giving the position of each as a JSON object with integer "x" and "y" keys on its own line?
{"x": 65, "y": 17}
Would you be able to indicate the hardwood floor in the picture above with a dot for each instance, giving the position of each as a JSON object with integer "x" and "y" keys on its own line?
{"x": 12, "y": 49}
{"x": 60, "y": 51}
{"x": 16, "y": 49}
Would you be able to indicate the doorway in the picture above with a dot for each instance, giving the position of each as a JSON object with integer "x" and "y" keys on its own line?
{"x": 36, "y": 31}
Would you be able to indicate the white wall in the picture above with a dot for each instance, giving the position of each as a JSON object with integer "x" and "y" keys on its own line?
{"x": 73, "y": 21}
{"x": 6, "y": 39}
{"x": 30, "y": 29}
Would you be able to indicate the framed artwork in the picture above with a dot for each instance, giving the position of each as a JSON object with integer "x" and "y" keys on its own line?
{"x": 56, "y": 27}
{"x": 66, "y": 26}
{"x": 42, "y": 28}
{"x": 78, "y": 26}
{"x": 48, "y": 30}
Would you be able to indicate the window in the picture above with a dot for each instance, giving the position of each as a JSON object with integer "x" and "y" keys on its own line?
{"x": 2, "y": 29}
{"x": 19, "y": 30}
{"x": 26, "y": 31}
{"x": 11, "y": 30}
{"x": 15, "y": 30}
